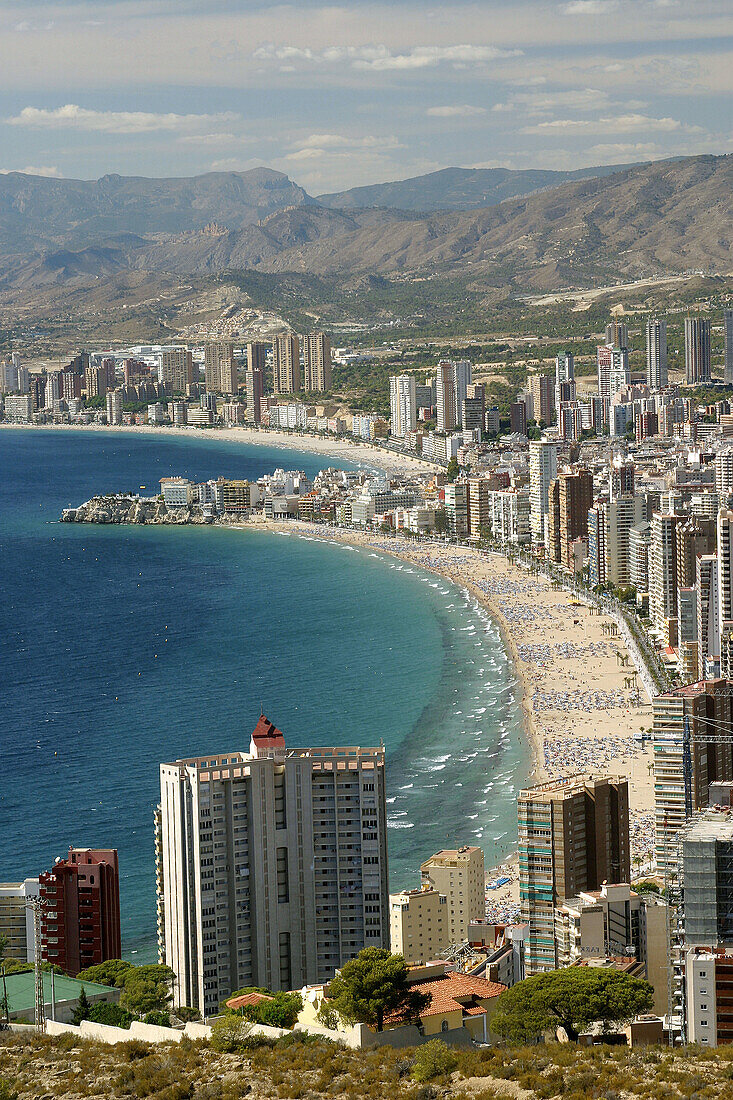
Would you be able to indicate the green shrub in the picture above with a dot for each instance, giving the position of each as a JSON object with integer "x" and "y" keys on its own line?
{"x": 7, "y": 1092}
{"x": 105, "y": 1013}
{"x": 229, "y": 1033}
{"x": 160, "y": 1019}
{"x": 187, "y": 1014}
{"x": 434, "y": 1059}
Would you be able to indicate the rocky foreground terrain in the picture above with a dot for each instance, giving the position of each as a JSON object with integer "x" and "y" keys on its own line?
{"x": 42, "y": 1068}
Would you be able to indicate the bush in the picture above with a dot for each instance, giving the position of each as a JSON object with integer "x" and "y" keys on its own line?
{"x": 229, "y": 1033}
{"x": 7, "y": 1092}
{"x": 434, "y": 1059}
{"x": 136, "y": 1049}
{"x": 187, "y": 1014}
{"x": 160, "y": 1019}
{"x": 113, "y": 1015}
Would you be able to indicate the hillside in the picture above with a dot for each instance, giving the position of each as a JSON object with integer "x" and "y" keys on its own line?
{"x": 34, "y": 1066}
{"x": 37, "y": 211}
{"x": 657, "y": 218}
{"x": 458, "y": 188}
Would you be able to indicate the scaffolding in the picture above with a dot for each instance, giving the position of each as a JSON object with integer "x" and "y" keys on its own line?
{"x": 35, "y": 904}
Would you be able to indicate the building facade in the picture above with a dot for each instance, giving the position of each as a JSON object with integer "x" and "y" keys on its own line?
{"x": 573, "y": 836}
{"x": 272, "y": 866}
{"x": 457, "y": 874}
{"x": 80, "y": 913}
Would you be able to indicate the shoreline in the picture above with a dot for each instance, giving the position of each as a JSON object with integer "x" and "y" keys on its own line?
{"x": 344, "y": 448}
{"x": 581, "y": 731}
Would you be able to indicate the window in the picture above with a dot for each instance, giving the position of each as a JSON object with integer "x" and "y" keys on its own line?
{"x": 444, "y": 1025}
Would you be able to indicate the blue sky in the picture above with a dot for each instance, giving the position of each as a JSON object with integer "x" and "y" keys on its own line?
{"x": 359, "y": 92}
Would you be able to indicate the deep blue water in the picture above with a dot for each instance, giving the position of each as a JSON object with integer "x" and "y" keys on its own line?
{"x": 124, "y": 647}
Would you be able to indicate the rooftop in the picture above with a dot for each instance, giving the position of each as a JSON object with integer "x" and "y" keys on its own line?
{"x": 22, "y": 997}
{"x": 715, "y": 823}
{"x": 452, "y": 992}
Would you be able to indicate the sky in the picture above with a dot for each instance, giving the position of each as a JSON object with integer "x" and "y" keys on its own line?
{"x": 359, "y": 92}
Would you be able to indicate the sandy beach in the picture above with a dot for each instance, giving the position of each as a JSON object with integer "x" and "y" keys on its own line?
{"x": 334, "y": 447}
{"x": 577, "y": 697}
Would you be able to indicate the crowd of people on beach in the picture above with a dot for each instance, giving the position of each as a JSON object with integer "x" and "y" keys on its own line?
{"x": 567, "y": 754}
{"x": 581, "y": 700}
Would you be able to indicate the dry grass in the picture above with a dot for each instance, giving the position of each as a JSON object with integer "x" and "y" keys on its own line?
{"x": 295, "y": 1069}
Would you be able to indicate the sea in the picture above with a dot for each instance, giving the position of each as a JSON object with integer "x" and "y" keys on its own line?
{"x": 125, "y": 647}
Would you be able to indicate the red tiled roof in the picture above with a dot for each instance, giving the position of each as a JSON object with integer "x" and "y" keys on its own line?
{"x": 247, "y": 1000}
{"x": 267, "y": 735}
{"x": 453, "y": 992}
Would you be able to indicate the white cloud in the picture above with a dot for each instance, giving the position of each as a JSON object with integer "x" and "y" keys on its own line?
{"x": 463, "y": 111}
{"x": 321, "y": 142}
{"x": 590, "y": 7}
{"x": 620, "y": 124}
{"x": 73, "y": 117}
{"x": 31, "y": 170}
{"x": 381, "y": 58}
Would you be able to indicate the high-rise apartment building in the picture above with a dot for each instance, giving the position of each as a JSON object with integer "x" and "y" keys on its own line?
{"x": 728, "y": 346}
{"x": 402, "y": 404}
{"x": 176, "y": 369}
{"x": 418, "y": 922}
{"x": 564, "y": 368}
{"x": 573, "y": 836}
{"x": 706, "y": 845}
{"x": 706, "y": 707}
{"x": 617, "y": 334}
{"x": 724, "y": 474}
{"x": 542, "y": 470}
{"x": 80, "y": 914}
{"x": 220, "y": 367}
{"x": 317, "y": 369}
{"x": 286, "y": 363}
{"x": 697, "y": 350}
{"x": 518, "y": 418}
{"x": 663, "y": 576}
{"x": 445, "y": 393}
{"x": 458, "y": 874}
{"x": 114, "y": 406}
{"x": 708, "y": 617}
{"x": 657, "y": 375}
{"x": 542, "y": 389}
{"x": 254, "y": 379}
{"x": 272, "y": 866}
{"x": 462, "y": 379}
{"x": 16, "y": 919}
{"x": 479, "y": 508}
{"x": 613, "y": 369}
{"x": 257, "y": 355}
{"x": 570, "y": 496}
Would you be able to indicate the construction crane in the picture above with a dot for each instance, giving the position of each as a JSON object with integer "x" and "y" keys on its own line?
{"x": 35, "y": 904}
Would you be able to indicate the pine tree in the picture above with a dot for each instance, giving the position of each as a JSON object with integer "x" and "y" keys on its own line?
{"x": 83, "y": 1008}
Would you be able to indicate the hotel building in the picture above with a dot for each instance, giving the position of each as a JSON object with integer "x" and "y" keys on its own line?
{"x": 458, "y": 874}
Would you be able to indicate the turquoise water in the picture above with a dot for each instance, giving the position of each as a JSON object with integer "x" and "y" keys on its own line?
{"x": 124, "y": 647}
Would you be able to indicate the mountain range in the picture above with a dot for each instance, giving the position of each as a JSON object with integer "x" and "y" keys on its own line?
{"x": 539, "y": 230}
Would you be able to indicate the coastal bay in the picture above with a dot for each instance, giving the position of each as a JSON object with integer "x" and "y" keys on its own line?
{"x": 123, "y": 647}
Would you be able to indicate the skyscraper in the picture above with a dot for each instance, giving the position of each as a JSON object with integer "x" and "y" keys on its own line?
{"x": 728, "y": 345}
{"x": 80, "y": 915}
{"x": 272, "y": 865}
{"x": 697, "y": 350}
{"x": 176, "y": 368}
{"x": 542, "y": 469}
{"x": 462, "y": 375}
{"x": 220, "y": 367}
{"x": 570, "y": 496}
{"x": 707, "y": 707}
{"x": 617, "y": 334}
{"x": 542, "y": 388}
{"x": 402, "y": 404}
{"x": 317, "y": 362}
{"x": 663, "y": 576}
{"x": 286, "y": 363}
{"x": 445, "y": 387}
{"x": 255, "y": 383}
{"x": 256, "y": 355}
{"x": 656, "y": 354}
{"x": 613, "y": 369}
{"x": 573, "y": 836}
